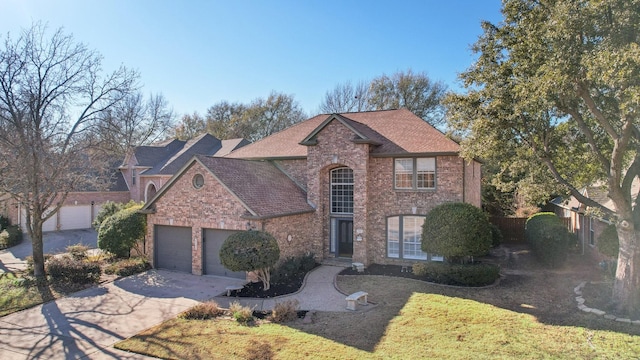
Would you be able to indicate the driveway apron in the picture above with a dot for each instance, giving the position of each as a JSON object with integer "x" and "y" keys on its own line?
{"x": 88, "y": 323}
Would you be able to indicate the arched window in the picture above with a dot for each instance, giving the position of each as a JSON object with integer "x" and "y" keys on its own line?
{"x": 342, "y": 191}
{"x": 151, "y": 192}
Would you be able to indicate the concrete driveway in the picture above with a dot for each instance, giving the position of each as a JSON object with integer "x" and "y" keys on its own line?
{"x": 54, "y": 242}
{"x": 88, "y": 323}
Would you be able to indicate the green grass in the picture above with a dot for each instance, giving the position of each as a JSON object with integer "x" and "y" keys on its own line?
{"x": 15, "y": 297}
{"x": 411, "y": 320}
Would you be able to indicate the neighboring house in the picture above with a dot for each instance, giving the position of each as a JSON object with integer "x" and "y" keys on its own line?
{"x": 148, "y": 168}
{"x": 585, "y": 223}
{"x": 353, "y": 185}
{"x": 78, "y": 210}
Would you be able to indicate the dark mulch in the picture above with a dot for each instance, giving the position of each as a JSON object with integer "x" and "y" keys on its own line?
{"x": 291, "y": 285}
{"x": 265, "y": 314}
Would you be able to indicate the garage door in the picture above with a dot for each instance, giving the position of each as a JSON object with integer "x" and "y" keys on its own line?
{"x": 75, "y": 217}
{"x": 212, "y": 241}
{"x": 173, "y": 248}
{"x": 49, "y": 225}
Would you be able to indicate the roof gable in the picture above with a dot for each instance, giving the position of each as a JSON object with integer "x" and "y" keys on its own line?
{"x": 394, "y": 132}
{"x": 263, "y": 189}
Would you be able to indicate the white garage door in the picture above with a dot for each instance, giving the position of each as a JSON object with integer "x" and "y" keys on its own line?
{"x": 49, "y": 225}
{"x": 75, "y": 217}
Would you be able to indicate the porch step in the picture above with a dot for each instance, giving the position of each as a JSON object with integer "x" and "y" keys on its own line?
{"x": 343, "y": 262}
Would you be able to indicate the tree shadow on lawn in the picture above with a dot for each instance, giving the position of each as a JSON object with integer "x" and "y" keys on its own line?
{"x": 527, "y": 289}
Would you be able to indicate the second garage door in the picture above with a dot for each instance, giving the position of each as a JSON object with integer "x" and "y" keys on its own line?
{"x": 213, "y": 240}
{"x": 173, "y": 248}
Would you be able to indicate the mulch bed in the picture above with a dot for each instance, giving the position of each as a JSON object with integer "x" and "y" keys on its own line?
{"x": 255, "y": 290}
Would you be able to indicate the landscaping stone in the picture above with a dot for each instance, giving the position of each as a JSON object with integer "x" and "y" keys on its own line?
{"x": 636, "y": 322}
{"x": 598, "y": 312}
{"x": 580, "y": 299}
{"x": 622, "y": 320}
{"x": 586, "y": 309}
{"x": 610, "y": 317}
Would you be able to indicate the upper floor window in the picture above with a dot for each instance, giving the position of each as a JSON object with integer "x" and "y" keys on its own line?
{"x": 415, "y": 173}
{"x": 133, "y": 176}
{"x": 342, "y": 191}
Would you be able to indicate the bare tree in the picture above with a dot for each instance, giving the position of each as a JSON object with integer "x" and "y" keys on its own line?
{"x": 134, "y": 122}
{"x": 346, "y": 97}
{"x": 52, "y": 91}
{"x": 267, "y": 116}
{"x": 189, "y": 127}
{"x": 416, "y": 92}
{"x": 224, "y": 120}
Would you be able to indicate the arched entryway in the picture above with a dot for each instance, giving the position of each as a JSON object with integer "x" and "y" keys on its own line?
{"x": 151, "y": 192}
{"x": 341, "y": 211}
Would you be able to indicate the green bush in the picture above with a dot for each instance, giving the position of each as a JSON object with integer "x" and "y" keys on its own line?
{"x": 478, "y": 274}
{"x": 292, "y": 267}
{"x": 456, "y": 231}
{"x": 66, "y": 268}
{"x": 4, "y": 222}
{"x": 608, "y": 243}
{"x": 496, "y": 235}
{"x": 10, "y": 236}
{"x": 120, "y": 232}
{"x": 242, "y": 314}
{"x": 548, "y": 238}
{"x": 109, "y": 209}
{"x": 255, "y": 251}
{"x": 127, "y": 267}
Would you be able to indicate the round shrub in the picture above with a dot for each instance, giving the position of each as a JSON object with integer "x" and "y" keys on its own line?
{"x": 109, "y": 209}
{"x": 548, "y": 238}
{"x": 608, "y": 243}
{"x": 456, "y": 231}
{"x": 120, "y": 232}
{"x": 255, "y": 251}
{"x": 496, "y": 235}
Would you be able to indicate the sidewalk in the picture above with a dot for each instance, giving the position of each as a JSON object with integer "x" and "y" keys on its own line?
{"x": 318, "y": 293}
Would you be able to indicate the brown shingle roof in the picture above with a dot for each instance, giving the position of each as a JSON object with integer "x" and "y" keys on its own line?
{"x": 397, "y": 131}
{"x": 266, "y": 191}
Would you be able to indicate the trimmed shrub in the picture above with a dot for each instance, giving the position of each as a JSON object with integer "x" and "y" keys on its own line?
{"x": 608, "y": 243}
{"x": 548, "y": 238}
{"x": 109, "y": 209}
{"x": 10, "y": 236}
{"x": 4, "y": 222}
{"x": 255, "y": 251}
{"x": 458, "y": 274}
{"x": 204, "y": 311}
{"x": 78, "y": 251}
{"x": 496, "y": 235}
{"x": 128, "y": 267}
{"x": 66, "y": 268}
{"x": 293, "y": 267}
{"x": 456, "y": 231}
{"x": 284, "y": 311}
{"x": 120, "y": 232}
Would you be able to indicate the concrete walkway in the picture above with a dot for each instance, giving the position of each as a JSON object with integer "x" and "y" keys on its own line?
{"x": 318, "y": 293}
{"x": 86, "y": 324}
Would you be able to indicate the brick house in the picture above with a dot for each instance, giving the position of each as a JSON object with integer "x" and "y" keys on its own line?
{"x": 353, "y": 185}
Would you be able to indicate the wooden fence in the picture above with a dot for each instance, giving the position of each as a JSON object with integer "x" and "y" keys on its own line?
{"x": 512, "y": 228}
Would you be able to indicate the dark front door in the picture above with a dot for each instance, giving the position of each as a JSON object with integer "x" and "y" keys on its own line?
{"x": 345, "y": 238}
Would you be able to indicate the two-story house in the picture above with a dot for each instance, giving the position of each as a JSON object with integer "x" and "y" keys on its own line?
{"x": 352, "y": 185}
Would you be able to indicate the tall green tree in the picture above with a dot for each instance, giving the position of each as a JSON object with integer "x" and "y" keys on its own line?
{"x": 556, "y": 86}
{"x": 52, "y": 92}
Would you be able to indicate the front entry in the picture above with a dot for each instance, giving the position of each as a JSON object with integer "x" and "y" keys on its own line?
{"x": 345, "y": 237}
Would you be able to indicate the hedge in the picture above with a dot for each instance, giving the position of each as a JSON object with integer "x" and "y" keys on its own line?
{"x": 66, "y": 268}
{"x": 478, "y": 274}
{"x": 548, "y": 238}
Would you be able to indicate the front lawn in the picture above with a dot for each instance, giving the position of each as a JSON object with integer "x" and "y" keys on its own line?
{"x": 413, "y": 320}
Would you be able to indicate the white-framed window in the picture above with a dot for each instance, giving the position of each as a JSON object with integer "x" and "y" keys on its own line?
{"x": 404, "y": 238}
{"x": 342, "y": 191}
{"x": 415, "y": 173}
{"x": 134, "y": 175}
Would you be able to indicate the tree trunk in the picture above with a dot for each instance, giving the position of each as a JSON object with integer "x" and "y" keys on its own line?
{"x": 626, "y": 287}
{"x": 38, "y": 249}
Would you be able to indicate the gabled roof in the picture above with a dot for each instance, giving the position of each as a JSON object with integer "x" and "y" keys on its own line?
{"x": 392, "y": 132}
{"x": 264, "y": 190}
{"x": 167, "y": 157}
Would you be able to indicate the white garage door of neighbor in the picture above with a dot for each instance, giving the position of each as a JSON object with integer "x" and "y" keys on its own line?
{"x": 75, "y": 217}
{"x": 49, "y": 225}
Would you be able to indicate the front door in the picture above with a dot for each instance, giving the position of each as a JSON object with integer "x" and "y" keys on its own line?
{"x": 345, "y": 237}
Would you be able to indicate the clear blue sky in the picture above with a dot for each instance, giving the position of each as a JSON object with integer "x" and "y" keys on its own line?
{"x": 198, "y": 53}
